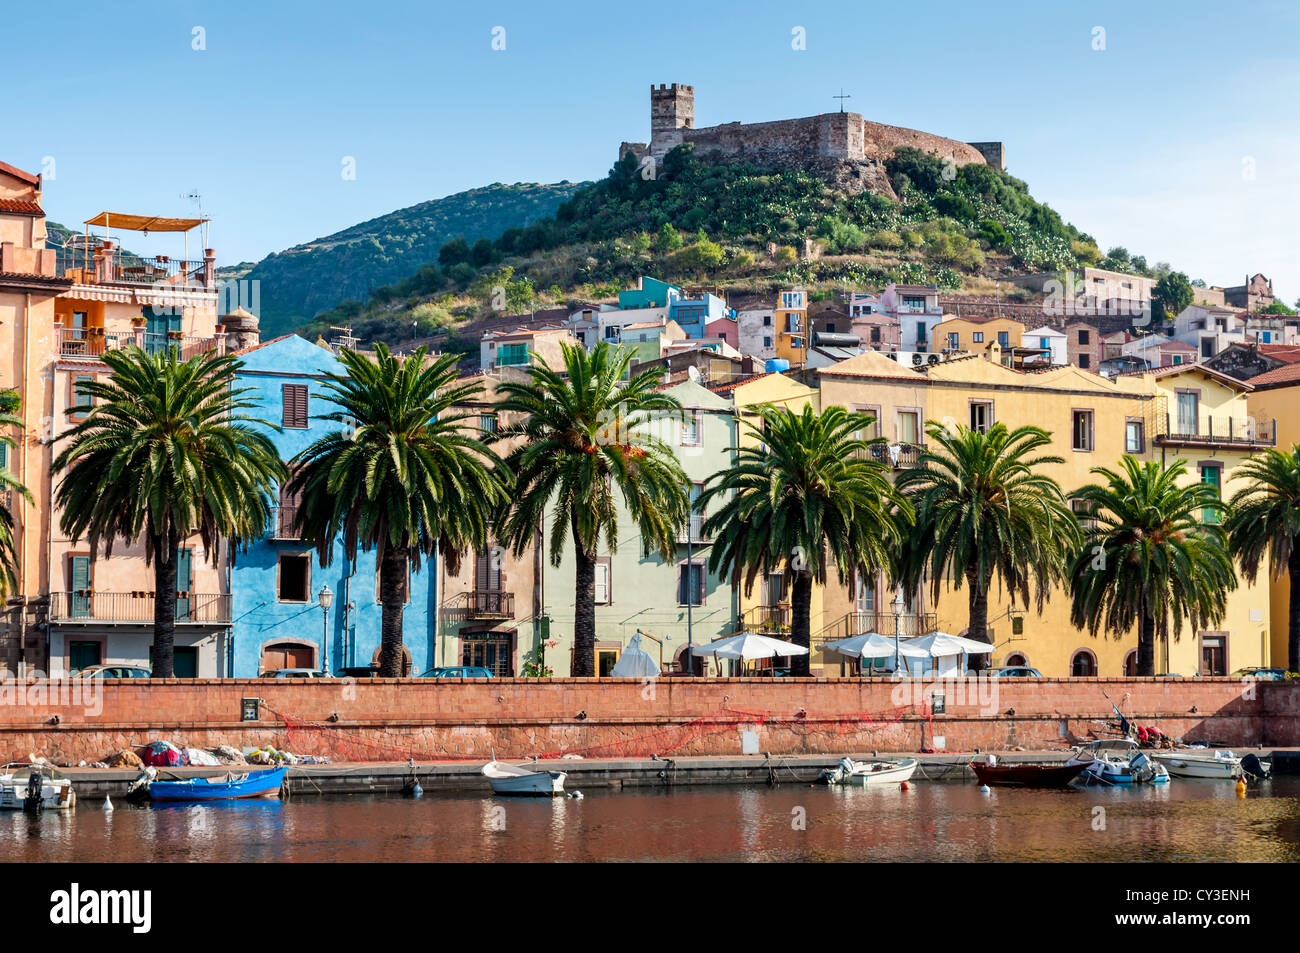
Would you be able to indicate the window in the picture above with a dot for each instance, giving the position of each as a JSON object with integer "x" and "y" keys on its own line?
{"x": 84, "y": 654}
{"x": 295, "y": 406}
{"x": 293, "y": 577}
{"x": 604, "y": 589}
{"x": 1214, "y": 653}
{"x": 875, "y": 335}
{"x": 1045, "y": 343}
{"x": 690, "y": 584}
{"x": 1084, "y": 338}
{"x": 691, "y": 432}
{"x": 512, "y": 355}
{"x": 873, "y": 429}
{"x": 981, "y": 415}
{"x": 1134, "y": 436}
{"x": 1083, "y": 512}
{"x": 80, "y": 584}
{"x": 767, "y": 320}
{"x": 1189, "y": 412}
{"x": 914, "y": 302}
{"x": 920, "y": 334}
{"x": 1210, "y": 473}
{"x": 4, "y": 455}
{"x": 796, "y": 343}
{"x": 909, "y": 427}
{"x": 487, "y": 423}
{"x": 1081, "y": 429}
{"x": 977, "y": 337}
{"x": 864, "y": 593}
{"x": 830, "y": 328}
{"x": 767, "y": 342}
{"x": 1004, "y": 338}
{"x": 792, "y": 299}
{"x": 953, "y": 338}
{"x": 1085, "y": 361}
{"x": 1084, "y": 664}
{"x": 489, "y": 650}
{"x": 794, "y": 323}
{"x": 80, "y": 397}
{"x": 1178, "y": 359}
{"x": 1131, "y": 664}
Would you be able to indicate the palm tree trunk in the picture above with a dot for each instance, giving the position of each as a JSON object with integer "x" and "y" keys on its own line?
{"x": 801, "y": 621}
{"x": 164, "y": 605}
{"x": 977, "y": 606}
{"x": 392, "y": 599}
{"x": 584, "y": 615}
{"x": 1293, "y": 614}
{"x": 1147, "y": 643}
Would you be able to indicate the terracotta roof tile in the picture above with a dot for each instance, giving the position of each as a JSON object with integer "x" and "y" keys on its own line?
{"x": 21, "y": 207}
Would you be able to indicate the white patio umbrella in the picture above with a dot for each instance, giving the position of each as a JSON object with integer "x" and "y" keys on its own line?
{"x": 873, "y": 645}
{"x": 635, "y": 662}
{"x": 749, "y": 646}
{"x": 940, "y": 644}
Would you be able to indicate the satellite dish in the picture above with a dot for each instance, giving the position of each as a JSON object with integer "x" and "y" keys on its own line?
{"x": 693, "y": 373}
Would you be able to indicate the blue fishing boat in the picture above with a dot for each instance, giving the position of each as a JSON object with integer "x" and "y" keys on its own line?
{"x": 226, "y": 787}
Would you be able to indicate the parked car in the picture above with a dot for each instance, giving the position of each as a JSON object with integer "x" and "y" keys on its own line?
{"x": 113, "y": 671}
{"x": 294, "y": 673}
{"x": 358, "y": 671}
{"x": 1263, "y": 674}
{"x": 1014, "y": 671}
{"x": 458, "y": 671}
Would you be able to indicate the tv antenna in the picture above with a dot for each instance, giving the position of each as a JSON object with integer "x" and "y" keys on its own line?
{"x": 345, "y": 338}
{"x": 197, "y": 199}
{"x": 841, "y": 97}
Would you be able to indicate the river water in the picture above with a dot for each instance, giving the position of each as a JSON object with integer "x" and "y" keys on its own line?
{"x": 952, "y": 821}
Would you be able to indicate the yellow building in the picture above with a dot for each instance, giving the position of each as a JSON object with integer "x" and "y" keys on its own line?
{"x": 767, "y": 607}
{"x": 1202, "y": 417}
{"x": 790, "y": 317}
{"x": 975, "y": 336}
{"x": 1272, "y": 404}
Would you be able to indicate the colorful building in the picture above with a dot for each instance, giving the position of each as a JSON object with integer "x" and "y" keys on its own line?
{"x": 290, "y": 610}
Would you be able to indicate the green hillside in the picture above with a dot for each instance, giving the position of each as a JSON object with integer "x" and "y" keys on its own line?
{"x": 741, "y": 228}
{"x": 298, "y": 283}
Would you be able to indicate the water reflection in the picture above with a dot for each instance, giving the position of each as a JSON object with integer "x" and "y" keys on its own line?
{"x": 1185, "y": 820}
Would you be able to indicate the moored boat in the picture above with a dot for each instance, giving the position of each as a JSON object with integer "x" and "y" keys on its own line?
{"x": 34, "y": 787}
{"x": 513, "y": 779}
{"x": 1221, "y": 765}
{"x": 1053, "y": 775}
{"x": 1117, "y": 761}
{"x": 849, "y": 771}
{"x": 227, "y": 787}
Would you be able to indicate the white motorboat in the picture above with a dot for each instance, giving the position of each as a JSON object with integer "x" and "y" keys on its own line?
{"x": 1221, "y": 764}
{"x": 849, "y": 771}
{"x": 513, "y": 779}
{"x": 1117, "y": 761}
{"x": 16, "y": 779}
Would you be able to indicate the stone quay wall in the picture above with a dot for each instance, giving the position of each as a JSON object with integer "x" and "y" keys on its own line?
{"x": 431, "y": 719}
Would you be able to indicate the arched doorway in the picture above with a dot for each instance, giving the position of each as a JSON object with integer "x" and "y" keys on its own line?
{"x": 288, "y": 653}
{"x": 406, "y": 661}
{"x": 1015, "y": 659}
{"x": 687, "y": 661}
{"x": 1131, "y": 664}
{"x": 1083, "y": 664}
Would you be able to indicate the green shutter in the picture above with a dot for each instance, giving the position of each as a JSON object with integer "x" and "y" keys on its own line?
{"x": 79, "y": 605}
{"x": 182, "y": 583}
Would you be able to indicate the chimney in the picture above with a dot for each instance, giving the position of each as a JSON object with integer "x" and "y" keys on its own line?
{"x": 209, "y": 269}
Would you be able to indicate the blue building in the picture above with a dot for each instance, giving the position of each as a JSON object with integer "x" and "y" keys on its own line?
{"x": 276, "y": 586}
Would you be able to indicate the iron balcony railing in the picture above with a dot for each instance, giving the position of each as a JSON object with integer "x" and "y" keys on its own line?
{"x": 130, "y": 270}
{"x": 282, "y": 521}
{"x": 900, "y": 456}
{"x": 490, "y": 604}
{"x": 91, "y": 343}
{"x": 766, "y": 619}
{"x": 695, "y": 528}
{"x": 1208, "y": 430}
{"x": 906, "y": 625}
{"x": 87, "y": 605}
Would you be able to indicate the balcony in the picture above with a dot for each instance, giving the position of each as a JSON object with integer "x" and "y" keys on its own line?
{"x": 97, "y": 268}
{"x": 899, "y": 456}
{"x": 489, "y": 604}
{"x": 693, "y": 531}
{"x": 766, "y": 619}
{"x": 86, "y": 606}
{"x": 1209, "y": 431}
{"x": 88, "y": 344}
{"x": 906, "y": 626}
{"x": 281, "y": 523}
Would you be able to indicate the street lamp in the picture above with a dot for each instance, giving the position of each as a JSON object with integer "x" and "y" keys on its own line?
{"x": 898, "y": 605}
{"x": 326, "y": 598}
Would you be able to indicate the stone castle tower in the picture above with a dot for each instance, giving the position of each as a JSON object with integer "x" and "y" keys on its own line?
{"x": 845, "y": 149}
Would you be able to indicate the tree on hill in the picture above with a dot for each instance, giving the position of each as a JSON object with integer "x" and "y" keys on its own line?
{"x": 1172, "y": 294}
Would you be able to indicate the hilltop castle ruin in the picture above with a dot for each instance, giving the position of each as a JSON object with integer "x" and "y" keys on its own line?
{"x": 842, "y": 147}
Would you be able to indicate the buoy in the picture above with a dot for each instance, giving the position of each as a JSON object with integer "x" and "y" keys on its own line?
{"x": 984, "y": 789}
{"x": 576, "y": 795}
{"x": 904, "y": 786}
{"x": 417, "y": 791}
{"x": 1241, "y": 787}
{"x": 108, "y": 805}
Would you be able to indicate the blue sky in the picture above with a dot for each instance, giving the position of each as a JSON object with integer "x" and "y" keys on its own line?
{"x": 1178, "y": 140}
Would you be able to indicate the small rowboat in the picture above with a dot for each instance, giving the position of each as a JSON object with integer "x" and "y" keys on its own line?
{"x": 1056, "y": 775}
{"x": 1223, "y": 765}
{"x": 849, "y": 771}
{"x": 512, "y": 779}
{"x": 227, "y": 787}
{"x": 20, "y": 783}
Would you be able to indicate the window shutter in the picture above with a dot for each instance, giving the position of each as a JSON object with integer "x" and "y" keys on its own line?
{"x": 602, "y": 583}
{"x": 683, "y": 586}
{"x": 80, "y": 573}
{"x": 295, "y": 405}
{"x": 697, "y": 571}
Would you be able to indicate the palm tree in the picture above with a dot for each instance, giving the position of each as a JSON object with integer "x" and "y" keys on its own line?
{"x": 984, "y": 510}
{"x": 1155, "y": 550}
{"x": 9, "y": 485}
{"x": 811, "y": 490}
{"x": 164, "y": 452}
{"x": 1264, "y": 521}
{"x": 411, "y": 478}
{"x": 579, "y": 454}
